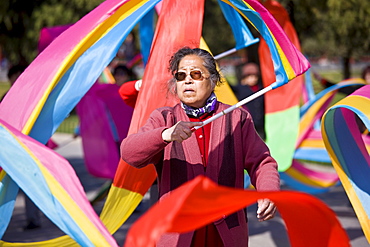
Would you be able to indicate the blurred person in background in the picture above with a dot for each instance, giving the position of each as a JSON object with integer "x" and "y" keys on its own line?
{"x": 249, "y": 82}
{"x": 123, "y": 74}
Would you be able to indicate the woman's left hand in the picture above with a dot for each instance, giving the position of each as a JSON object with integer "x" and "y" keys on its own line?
{"x": 266, "y": 209}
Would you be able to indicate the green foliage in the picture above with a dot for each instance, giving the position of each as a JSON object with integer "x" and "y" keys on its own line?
{"x": 336, "y": 28}
{"x": 22, "y": 20}
{"x": 55, "y": 13}
{"x": 350, "y": 25}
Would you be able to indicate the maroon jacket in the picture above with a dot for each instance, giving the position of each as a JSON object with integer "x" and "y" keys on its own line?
{"x": 234, "y": 146}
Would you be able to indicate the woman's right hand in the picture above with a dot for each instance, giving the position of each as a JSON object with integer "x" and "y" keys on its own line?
{"x": 179, "y": 132}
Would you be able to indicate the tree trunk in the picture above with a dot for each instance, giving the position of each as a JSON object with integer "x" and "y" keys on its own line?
{"x": 346, "y": 67}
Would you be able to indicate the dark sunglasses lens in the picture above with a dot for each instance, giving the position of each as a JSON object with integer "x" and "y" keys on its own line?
{"x": 180, "y": 76}
{"x": 196, "y": 74}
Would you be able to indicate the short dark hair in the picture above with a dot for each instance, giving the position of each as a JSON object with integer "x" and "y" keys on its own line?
{"x": 121, "y": 68}
{"x": 129, "y": 72}
{"x": 208, "y": 61}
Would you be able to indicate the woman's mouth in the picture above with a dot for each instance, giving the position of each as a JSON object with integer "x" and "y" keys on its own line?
{"x": 188, "y": 90}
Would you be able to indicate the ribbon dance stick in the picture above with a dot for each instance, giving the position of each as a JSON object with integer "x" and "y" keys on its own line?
{"x": 226, "y": 53}
{"x": 233, "y": 107}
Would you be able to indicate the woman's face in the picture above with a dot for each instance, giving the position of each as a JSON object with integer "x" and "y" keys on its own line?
{"x": 193, "y": 92}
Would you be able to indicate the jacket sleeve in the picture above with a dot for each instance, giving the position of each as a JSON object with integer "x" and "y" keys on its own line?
{"x": 259, "y": 163}
{"x": 146, "y": 146}
{"x": 129, "y": 93}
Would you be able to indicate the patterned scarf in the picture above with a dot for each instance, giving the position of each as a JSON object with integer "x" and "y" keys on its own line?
{"x": 197, "y": 112}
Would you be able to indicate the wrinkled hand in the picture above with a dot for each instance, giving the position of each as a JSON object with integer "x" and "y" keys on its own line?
{"x": 179, "y": 132}
{"x": 266, "y": 209}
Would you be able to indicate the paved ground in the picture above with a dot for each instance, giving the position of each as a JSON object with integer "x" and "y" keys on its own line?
{"x": 262, "y": 234}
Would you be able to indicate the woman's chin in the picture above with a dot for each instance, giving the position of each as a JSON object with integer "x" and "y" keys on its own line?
{"x": 191, "y": 103}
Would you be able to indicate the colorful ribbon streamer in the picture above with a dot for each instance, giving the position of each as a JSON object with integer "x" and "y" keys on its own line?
{"x": 49, "y": 89}
{"x": 309, "y": 222}
{"x": 344, "y": 142}
{"x": 310, "y": 145}
{"x": 53, "y": 185}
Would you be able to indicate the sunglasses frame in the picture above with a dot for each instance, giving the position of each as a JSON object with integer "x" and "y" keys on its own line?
{"x": 186, "y": 74}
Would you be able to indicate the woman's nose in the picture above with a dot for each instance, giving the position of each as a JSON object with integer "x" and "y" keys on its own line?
{"x": 188, "y": 79}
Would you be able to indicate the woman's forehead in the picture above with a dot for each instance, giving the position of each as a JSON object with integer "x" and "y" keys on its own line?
{"x": 191, "y": 62}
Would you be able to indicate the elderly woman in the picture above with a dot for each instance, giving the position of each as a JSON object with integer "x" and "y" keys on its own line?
{"x": 220, "y": 150}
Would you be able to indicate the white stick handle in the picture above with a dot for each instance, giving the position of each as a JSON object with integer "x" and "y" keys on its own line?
{"x": 233, "y": 107}
{"x": 225, "y": 53}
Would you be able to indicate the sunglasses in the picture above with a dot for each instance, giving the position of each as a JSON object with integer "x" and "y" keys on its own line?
{"x": 194, "y": 74}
